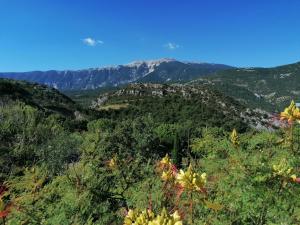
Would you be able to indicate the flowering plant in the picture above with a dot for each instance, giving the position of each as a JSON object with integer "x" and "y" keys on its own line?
{"x": 291, "y": 113}
{"x": 147, "y": 217}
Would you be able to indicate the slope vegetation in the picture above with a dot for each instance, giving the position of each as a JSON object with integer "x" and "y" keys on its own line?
{"x": 269, "y": 88}
{"x": 200, "y": 105}
{"x": 38, "y": 96}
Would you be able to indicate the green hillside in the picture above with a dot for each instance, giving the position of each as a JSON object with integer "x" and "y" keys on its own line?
{"x": 39, "y": 96}
{"x": 269, "y": 88}
{"x": 152, "y": 152}
{"x": 167, "y": 149}
{"x": 201, "y": 105}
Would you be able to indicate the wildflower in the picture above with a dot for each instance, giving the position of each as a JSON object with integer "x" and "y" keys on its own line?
{"x": 166, "y": 161}
{"x": 168, "y": 169}
{"x": 112, "y": 164}
{"x": 147, "y": 217}
{"x": 135, "y": 218}
{"x": 130, "y": 217}
{"x": 167, "y": 175}
{"x": 295, "y": 178}
{"x": 164, "y": 218}
{"x": 282, "y": 169}
{"x": 234, "y": 138}
{"x": 291, "y": 113}
{"x": 191, "y": 180}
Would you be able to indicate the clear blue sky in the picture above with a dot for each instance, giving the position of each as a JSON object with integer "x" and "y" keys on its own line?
{"x": 74, "y": 34}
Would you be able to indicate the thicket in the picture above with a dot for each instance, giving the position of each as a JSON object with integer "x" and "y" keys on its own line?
{"x": 141, "y": 171}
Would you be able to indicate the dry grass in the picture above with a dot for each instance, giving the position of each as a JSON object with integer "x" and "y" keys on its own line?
{"x": 114, "y": 106}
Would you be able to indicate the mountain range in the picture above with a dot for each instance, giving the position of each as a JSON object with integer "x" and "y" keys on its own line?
{"x": 270, "y": 89}
{"x": 162, "y": 70}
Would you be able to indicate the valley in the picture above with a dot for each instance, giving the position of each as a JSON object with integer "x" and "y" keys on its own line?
{"x": 72, "y": 154}
{"x": 156, "y": 112}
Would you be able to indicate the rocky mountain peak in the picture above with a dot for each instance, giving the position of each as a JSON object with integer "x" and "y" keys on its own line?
{"x": 152, "y": 71}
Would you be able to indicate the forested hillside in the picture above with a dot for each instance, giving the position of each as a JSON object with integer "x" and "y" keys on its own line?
{"x": 267, "y": 88}
{"x": 151, "y": 154}
{"x": 198, "y": 104}
{"x": 39, "y": 96}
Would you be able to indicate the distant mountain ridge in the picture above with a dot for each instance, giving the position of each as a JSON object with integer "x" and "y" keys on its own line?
{"x": 162, "y": 70}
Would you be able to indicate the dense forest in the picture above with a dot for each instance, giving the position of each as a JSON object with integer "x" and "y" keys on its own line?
{"x": 157, "y": 160}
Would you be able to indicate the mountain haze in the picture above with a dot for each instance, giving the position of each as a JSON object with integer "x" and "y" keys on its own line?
{"x": 163, "y": 70}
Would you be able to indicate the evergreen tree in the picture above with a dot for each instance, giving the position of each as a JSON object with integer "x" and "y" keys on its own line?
{"x": 175, "y": 154}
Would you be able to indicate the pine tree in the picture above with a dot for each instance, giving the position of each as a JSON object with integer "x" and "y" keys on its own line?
{"x": 175, "y": 155}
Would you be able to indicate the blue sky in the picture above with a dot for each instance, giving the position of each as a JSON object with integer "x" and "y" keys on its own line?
{"x": 77, "y": 34}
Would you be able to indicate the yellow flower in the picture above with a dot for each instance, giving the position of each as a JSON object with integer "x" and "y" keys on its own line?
{"x": 190, "y": 180}
{"x": 291, "y": 113}
{"x": 147, "y": 217}
{"x": 176, "y": 216}
{"x": 112, "y": 164}
{"x": 167, "y": 168}
{"x": 282, "y": 168}
{"x": 165, "y": 219}
{"x": 203, "y": 176}
{"x": 135, "y": 218}
{"x": 130, "y": 217}
{"x": 167, "y": 175}
{"x": 166, "y": 160}
{"x": 234, "y": 138}
{"x": 294, "y": 177}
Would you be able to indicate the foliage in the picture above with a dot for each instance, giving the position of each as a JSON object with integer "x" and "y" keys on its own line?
{"x": 118, "y": 170}
{"x": 28, "y": 137}
{"x": 197, "y": 106}
{"x": 148, "y": 217}
{"x": 266, "y": 88}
